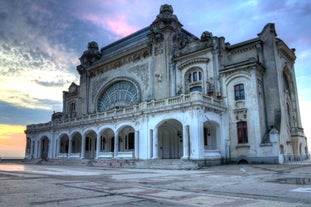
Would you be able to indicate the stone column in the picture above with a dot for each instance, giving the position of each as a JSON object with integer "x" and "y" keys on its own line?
{"x": 50, "y": 148}
{"x": 98, "y": 142}
{"x": 35, "y": 150}
{"x": 69, "y": 147}
{"x": 136, "y": 146}
{"x": 27, "y": 152}
{"x": 116, "y": 144}
{"x": 186, "y": 142}
{"x": 31, "y": 148}
{"x": 83, "y": 147}
{"x": 151, "y": 144}
{"x": 56, "y": 149}
{"x": 38, "y": 153}
{"x": 155, "y": 145}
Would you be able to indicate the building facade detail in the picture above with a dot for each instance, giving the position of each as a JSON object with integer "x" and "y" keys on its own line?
{"x": 163, "y": 93}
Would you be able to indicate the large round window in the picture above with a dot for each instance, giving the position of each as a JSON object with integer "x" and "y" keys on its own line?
{"x": 118, "y": 95}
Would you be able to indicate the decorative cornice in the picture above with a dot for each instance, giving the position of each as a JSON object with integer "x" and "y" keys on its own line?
{"x": 247, "y": 64}
{"x": 244, "y": 49}
{"x": 192, "y": 62}
{"x": 110, "y": 65}
{"x": 284, "y": 50}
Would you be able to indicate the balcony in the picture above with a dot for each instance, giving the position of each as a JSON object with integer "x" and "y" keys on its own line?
{"x": 181, "y": 102}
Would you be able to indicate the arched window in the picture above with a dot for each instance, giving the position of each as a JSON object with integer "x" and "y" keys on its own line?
{"x": 194, "y": 79}
{"x": 120, "y": 94}
{"x": 195, "y": 76}
{"x": 72, "y": 109}
{"x": 286, "y": 82}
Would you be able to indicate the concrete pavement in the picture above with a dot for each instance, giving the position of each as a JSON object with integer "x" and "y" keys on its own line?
{"x": 218, "y": 186}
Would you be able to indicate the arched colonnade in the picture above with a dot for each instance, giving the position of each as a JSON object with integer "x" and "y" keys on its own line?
{"x": 169, "y": 139}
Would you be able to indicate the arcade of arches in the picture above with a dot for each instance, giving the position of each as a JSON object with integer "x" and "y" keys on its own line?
{"x": 169, "y": 140}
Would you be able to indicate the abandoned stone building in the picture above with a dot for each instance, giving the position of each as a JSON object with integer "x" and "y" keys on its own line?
{"x": 162, "y": 93}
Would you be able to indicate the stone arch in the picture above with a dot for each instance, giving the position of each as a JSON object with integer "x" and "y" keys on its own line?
{"x": 242, "y": 161}
{"x": 63, "y": 144}
{"x": 76, "y": 143}
{"x": 237, "y": 75}
{"x": 90, "y": 138}
{"x": 106, "y": 140}
{"x": 126, "y": 138}
{"x": 169, "y": 137}
{"x": 289, "y": 94}
{"x": 211, "y": 135}
{"x": 44, "y": 147}
{"x": 118, "y": 93}
{"x": 288, "y": 82}
{"x": 242, "y": 80}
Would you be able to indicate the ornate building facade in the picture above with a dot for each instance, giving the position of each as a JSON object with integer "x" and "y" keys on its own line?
{"x": 163, "y": 93}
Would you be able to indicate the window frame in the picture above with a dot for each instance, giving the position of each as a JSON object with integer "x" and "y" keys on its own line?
{"x": 242, "y": 132}
{"x": 239, "y": 92}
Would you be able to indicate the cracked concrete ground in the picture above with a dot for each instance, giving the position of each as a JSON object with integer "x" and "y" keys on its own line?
{"x": 219, "y": 186}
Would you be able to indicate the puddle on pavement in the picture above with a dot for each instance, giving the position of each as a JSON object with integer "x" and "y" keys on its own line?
{"x": 12, "y": 167}
{"x": 46, "y": 170}
{"x": 296, "y": 181}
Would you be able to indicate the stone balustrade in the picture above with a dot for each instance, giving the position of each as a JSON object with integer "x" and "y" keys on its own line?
{"x": 153, "y": 106}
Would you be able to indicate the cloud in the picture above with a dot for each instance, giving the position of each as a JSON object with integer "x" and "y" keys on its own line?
{"x": 20, "y": 99}
{"x": 24, "y": 93}
{"x": 50, "y": 83}
{"x": 14, "y": 114}
{"x": 117, "y": 24}
{"x": 35, "y": 63}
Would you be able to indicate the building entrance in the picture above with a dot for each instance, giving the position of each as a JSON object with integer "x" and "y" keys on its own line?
{"x": 170, "y": 140}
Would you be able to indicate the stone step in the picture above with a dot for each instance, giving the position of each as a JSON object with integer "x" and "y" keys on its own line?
{"x": 77, "y": 162}
{"x": 148, "y": 164}
{"x": 172, "y": 164}
{"x": 114, "y": 163}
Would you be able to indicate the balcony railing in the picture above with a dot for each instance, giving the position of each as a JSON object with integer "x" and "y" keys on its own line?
{"x": 153, "y": 106}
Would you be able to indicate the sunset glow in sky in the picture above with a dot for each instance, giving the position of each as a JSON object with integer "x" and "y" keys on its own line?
{"x": 41, "y": 41}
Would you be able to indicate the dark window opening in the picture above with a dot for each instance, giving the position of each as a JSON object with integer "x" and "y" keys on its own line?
{"x": 242, "y": 132}
{"x": 239, "y": 92}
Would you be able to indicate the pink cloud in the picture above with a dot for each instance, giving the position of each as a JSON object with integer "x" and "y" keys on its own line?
{"x": 117, "y": 25}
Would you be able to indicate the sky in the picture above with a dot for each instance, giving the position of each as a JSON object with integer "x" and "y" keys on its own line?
{"x": 41, "y": 42}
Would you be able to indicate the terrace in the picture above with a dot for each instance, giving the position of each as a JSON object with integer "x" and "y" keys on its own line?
{"x": 152, "y": 107}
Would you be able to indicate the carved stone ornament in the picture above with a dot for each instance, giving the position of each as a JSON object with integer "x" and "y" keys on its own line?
{"x": 241, "y": 114}
{"x": 91, "y": 55}
{"x": 120, "y": 62}
{"x": 181, "y": 40}
{"x": 166, "y": 19}
{"x": 158, "y": 50}
{"x": 205, "y": 36}
{"x": 156, "y": 38}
